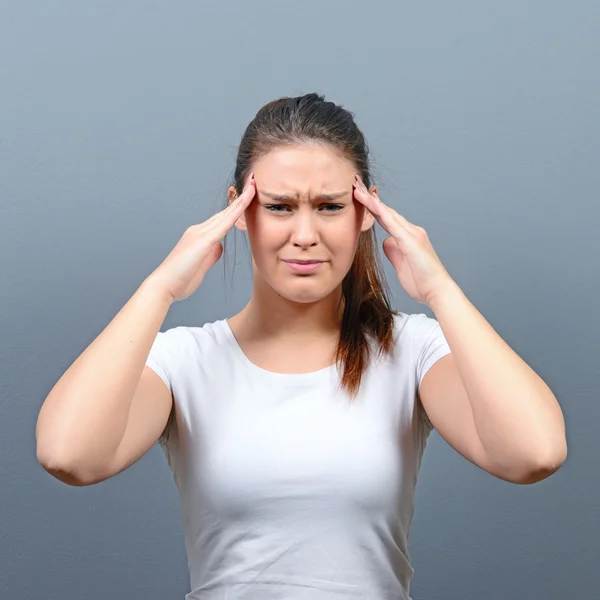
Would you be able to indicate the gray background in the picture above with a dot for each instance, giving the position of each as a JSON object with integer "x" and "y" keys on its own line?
{"x": 119, "y": 123}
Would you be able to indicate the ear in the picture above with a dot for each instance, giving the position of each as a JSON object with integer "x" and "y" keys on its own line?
{"x": 368, "y": 217}
{"x": 241, "y": 222}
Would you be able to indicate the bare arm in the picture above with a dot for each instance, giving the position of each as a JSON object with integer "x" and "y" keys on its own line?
{"x": 83, "y": 420}
{"x": 109, "y": 408}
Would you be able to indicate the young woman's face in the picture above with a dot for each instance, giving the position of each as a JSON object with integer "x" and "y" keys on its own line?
{"x": 291, "y": 218}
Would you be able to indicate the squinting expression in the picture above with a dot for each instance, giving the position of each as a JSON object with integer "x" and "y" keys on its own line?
{"x": 304, "y": 209}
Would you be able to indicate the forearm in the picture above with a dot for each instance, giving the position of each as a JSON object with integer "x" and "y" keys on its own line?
{"x": 84, "y": 416}
{"x": 517, "y": 417}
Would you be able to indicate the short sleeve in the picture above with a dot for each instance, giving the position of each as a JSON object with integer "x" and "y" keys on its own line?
{"x": 160, "y": 357}
{"x": 430, "y": 346}
{"x": 164, "y": 359}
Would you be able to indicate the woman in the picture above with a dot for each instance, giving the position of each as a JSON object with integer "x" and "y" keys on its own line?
{"x": 295, "y": 429}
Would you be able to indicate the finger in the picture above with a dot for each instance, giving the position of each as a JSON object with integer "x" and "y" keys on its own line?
{"x": 368, "y": 199}
{"x": 239, "y": 204}
{"x": 377, "y": 209}
{"x": 382, "y": 212}
{"x": 410, "y": 226}
{"x": 244, "y": 199}
{"x": 227, "y": 218}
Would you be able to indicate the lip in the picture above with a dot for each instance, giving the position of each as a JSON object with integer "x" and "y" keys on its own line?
{"x": 303, "y": 266}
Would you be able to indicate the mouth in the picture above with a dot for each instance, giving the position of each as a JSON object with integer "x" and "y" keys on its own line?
{"x": 303, "y": 262}
{"x": 303, "y": 266}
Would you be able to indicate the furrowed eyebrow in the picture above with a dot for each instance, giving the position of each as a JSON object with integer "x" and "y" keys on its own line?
{"x": 288, "y": 197}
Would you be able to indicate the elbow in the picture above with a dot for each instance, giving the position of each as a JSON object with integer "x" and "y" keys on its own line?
{"x": 556, "y": 456}
{"x": 66, "y": 476}
{"x": 548, "y": 464}
{"x": 53, "y": 459}
{"x": 62, "y": 473}
{"x": 61, "y": 470}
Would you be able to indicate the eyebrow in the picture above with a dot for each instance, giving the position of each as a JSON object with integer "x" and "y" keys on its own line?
{"x": 288, "y": 197}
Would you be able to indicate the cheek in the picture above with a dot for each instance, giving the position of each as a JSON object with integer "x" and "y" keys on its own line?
{"x": 264, "y": 233}
{"x": 255, "y": 222}
{"x": 347, "y": 228}
{"x": 360, "y": 211}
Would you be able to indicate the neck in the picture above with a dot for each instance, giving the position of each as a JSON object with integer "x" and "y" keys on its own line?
{"x": 277, "y": 317}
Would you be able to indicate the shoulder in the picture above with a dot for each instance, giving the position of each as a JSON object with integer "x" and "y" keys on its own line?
{"x": 180, "y": 349}
{"x": 420, "y": 337}
{"x": 410, "y": 327}
{"x": 195, "y": 338}
{"x": 171, "y": 341}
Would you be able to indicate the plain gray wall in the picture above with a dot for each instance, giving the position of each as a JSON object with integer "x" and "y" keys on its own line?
{"x": 119, "y": 128}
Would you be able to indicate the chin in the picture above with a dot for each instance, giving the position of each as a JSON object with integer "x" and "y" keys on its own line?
{"x": 305, "y": 290}
{"x": 305, "y": 296}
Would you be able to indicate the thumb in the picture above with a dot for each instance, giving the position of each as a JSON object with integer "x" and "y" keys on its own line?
{"x": 213, "y": 256}
{"x": 393, "y": 252}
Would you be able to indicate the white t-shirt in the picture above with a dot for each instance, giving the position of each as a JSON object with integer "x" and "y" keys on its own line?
{"x": 287, "y": 490}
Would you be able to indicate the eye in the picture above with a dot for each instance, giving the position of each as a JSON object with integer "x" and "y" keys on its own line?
{"x": 331, "y": 207}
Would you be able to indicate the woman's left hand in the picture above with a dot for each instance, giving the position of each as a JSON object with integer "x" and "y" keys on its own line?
{"x": 419, "y": 269}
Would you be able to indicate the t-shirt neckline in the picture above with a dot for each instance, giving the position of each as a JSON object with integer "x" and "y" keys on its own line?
{"x": 311, "y": 377}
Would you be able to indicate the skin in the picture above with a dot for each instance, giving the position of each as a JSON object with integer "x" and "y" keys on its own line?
{"x": 483, "y": 399}
{"x": 287, "y": 306}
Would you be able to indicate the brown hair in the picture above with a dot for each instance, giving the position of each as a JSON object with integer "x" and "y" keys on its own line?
{"x": 365, "y": 293}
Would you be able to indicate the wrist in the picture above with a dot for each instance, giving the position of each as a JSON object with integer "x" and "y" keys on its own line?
{"x": 151, "y": 286}
{"x": 448, "y": 290}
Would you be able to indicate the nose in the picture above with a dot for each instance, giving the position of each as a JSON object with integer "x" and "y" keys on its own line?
{"x": 304, "y": 229}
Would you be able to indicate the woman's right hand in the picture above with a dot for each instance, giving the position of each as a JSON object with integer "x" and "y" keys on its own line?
{"x": 199, "y": 249}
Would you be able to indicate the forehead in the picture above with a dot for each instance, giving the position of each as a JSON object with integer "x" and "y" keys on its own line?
{"x": 300, "y": 167}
